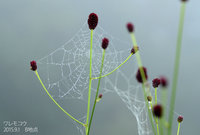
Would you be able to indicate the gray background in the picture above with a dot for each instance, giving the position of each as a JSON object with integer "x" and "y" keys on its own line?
{"x": 30, "y": 29}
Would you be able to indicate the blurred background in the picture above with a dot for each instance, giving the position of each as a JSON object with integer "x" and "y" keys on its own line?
{"x": 31, "y": 29}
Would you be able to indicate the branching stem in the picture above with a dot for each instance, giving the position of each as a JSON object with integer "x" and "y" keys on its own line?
{"x": 55, "y": 101}
{"x": 90, "y": 83}
{"x": 98, "y": 86}
{"x": 115, "y": 68}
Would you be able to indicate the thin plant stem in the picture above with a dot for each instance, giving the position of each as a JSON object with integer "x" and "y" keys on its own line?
{"x": 98, "y": 86}
{"x": 143, "y": 80}
{"x": 156, "y": 101}
{"x": 176, "y": 66}
{"x": 164, "y": 104}
{"x": 90, "y": 82}
{"x": 115, "y": 68}
{"x": 179, "y": 125}
{"x": 56, "y": 102}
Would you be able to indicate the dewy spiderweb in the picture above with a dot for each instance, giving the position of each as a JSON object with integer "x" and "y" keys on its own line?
{"x": 65, "y": 73}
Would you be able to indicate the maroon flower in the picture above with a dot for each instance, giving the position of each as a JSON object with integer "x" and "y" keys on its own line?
{"x": 105, "y": 42}
{"x": 139, "y": 76}
{"x": 100, "y": 96}
{"x": 163, "y": 81}
{"x": 134, "y": 49}
{"x": 92, "y": 21}
{"x": 130, "y": 27}
{"x": 33, "y": 65}
{"x": 180, "y": 119}
{"x": 157, "y": 111}
{"x": 184, "y": 0}
{"x": 156, "y": 82}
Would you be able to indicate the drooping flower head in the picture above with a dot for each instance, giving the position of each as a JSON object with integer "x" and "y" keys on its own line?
{"x": 139, "y": 76}
{"x": 156, "y": 82}
{"x": 33, "y": 65}
{"x": 180, "y": 119}
{"x": 134, "y": 49}
{"x": 163, "y": 81}
{"x": 157, "y": 111}
{"x": 92, "y": 21}
{"x": 130, "y": 27}
{"x": 105, "y": 43}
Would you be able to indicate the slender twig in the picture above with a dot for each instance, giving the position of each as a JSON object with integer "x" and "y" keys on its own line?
{"x": 156, "y": 101}
{"x": 90, "y": 82}
{"x": 115, "y": 68}
{"x": 56, "y": 102}
{"x": 95, "y": 101}
{"x": 176, "y": 66}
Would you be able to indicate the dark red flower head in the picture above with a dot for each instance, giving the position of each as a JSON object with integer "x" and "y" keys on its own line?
{"x": 156, "y": 82}
{"x": 105, "y": 43}
{"x": 33, "y": 65}
{"x": 139, "y": 76}
{"x": 100, "y": 96}
{"x": 130, "y": 27}
{"x": 180, "y": 119}
{"x": 92, "y": 21}
{"x": 157, "y": 110}
{"x": 163, "y": 81}
{"x": 134, "y": 49}
{"x": 184, "y": 0}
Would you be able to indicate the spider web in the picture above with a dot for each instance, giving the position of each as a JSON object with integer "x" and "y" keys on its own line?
{"x": 65, "y": 73}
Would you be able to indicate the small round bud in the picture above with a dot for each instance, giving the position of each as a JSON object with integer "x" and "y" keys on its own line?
{"x": 149, "y": 98}
{"x": 184, "y": 0}
{"x": 180, "y": 119}
{"x": 130, "y": 27}
{"x": 134, "y": 49}
{"x": 92, "y": 21}
{"x": 156, "y": 82}
{"x": 33, "y": 65}
{"x": 139, "y": 76}
{"x": 157, "y": 110}
{"x": 163, "y": 81}
{"x": 105, "y": 43}
{"x": 100, "y": 96}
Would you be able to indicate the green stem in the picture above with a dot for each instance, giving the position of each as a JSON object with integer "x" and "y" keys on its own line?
{"x": 115, "y": 68}
{"x": 95, "y": 101}
{"x": 156, "y": 101}
{"x": 90, "y": 82}
{"x": 176, "y": 66}
{"x": 55, "y": 101}
{"x": 137, "y": 54}
{"x": 179, "y": 125}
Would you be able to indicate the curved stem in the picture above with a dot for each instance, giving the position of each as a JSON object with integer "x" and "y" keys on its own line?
{"x": 55, "y": 101}
{"x": 95, "y": 101}
{"x": 176, "y": 66}
{"x": 137, "y": 54}
{"x": 90, "y": 82}
{"x": 115, "y": 68}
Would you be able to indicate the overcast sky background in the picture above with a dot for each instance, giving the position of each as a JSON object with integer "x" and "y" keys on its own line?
{"x": 31, "y": 29}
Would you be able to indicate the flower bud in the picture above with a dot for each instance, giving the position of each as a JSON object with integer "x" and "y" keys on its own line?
{"x": 156, "y": 82}
{"x": 92, "y": 21}
{"x": 157, "y": 111}
{"x": 105, "y": 43}
{"x": 180, "y": 119}
{"x": 33, "y": 65}
{"x": 139, "y": 76}
{"x": 130, "y": 27}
